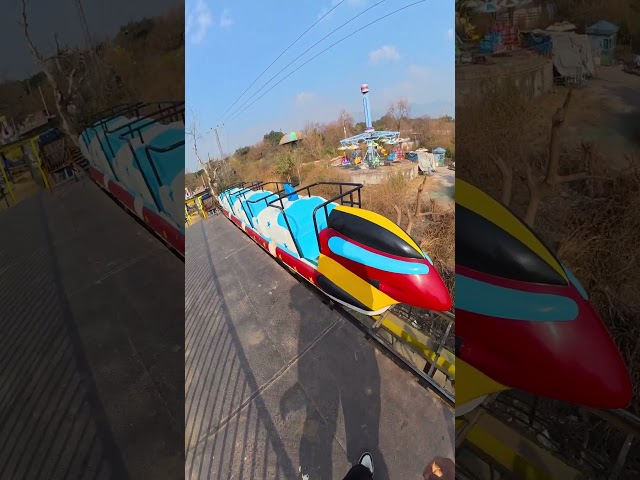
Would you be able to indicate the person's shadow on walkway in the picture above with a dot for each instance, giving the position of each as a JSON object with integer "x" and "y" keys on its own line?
{"x": 337, "y": 374}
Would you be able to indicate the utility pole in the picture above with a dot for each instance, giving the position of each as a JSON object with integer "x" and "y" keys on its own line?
{"x": 219, "y": 144}
{"x": 86, "y": 34}
{"x": 43, "y": 102}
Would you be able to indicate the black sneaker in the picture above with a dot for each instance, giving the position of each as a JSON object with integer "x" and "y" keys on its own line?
{"x": 366, "y": 460}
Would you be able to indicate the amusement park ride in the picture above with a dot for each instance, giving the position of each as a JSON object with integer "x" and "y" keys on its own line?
{"x": 524, "y": 320}
{"x": 136, "y": 154}
{"x": 524, "y": 323}
{"x": 370, "y": 136}
{"x": 356, "y": 257}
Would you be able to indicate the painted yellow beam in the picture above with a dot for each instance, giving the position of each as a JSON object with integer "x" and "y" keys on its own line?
{"x": 423, "y": 345}
{"x": 35, "y": 150}
{"x": 473, "y": 384}
{"x": 513, "y": 451}
{"x": 7, "y": 183}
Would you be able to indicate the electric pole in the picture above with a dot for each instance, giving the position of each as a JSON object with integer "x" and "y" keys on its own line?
{"x": 86, "y": 34}
{"x": 219, "y": 144}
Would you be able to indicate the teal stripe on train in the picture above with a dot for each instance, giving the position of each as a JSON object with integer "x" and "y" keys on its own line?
{"x": 494, "y": 301}
{"x": 365, "y": 257}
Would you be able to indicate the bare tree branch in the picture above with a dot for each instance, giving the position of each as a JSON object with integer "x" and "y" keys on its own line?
{"x": 62, "y": 101}
{"x": 539, "y": 189}
{"x": 410, "y": 224}
{"x": 399, "y": 212}
{"x": 419, "y": 196}
{"x": 506, "y": 172}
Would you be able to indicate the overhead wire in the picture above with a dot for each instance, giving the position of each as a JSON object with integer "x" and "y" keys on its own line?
{"x": 323, "y": 51}
{"x": 303, "y": 53}
{"x": 279, "y": 56}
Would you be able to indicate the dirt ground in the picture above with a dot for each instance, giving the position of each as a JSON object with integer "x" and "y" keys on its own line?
{"x": 605, "y": 112}
{"x": 443, "y": 186}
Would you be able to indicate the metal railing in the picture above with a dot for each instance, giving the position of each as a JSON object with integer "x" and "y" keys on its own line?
{"x": 262, "y": 187}
{"x": 341, "y": 196}
{"x": 241, "y": 185}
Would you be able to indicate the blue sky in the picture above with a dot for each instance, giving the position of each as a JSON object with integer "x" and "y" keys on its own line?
{"x": 229, "y": 43}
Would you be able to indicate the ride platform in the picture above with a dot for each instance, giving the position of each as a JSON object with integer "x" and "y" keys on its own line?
{"x": 279, "y": 385}
{"x": 89, "y": 360}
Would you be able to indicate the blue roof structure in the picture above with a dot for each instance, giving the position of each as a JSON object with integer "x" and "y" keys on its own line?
{"x": 602, "y": 27}
{"x": 439, "y": 150}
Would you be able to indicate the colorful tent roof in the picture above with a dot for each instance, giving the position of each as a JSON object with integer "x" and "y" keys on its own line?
{"x": 290, "y": 137}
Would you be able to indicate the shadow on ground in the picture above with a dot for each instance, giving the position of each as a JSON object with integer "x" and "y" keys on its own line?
{"x": 340, "y": 379}
{"x": 52, "y": 422}
{"x": 220, "y": 384}
{"x": 90, "y": 342}
{"x": 277, "y": 385}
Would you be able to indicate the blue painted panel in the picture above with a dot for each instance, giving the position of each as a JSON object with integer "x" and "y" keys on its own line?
{"x": 300, "y": 213}
{"x": 365, "y": 257}
{"x": 113, "y": 139}
{"x": 169, "y": 165}
{"x": 494, "y": 301}
{"x": 575, "y": 282}
{"x": 255, "y": 208}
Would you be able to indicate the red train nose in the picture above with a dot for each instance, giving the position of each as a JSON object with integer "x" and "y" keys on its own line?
{"x": 423, "y": 291}
{"x": 573, "y": 361}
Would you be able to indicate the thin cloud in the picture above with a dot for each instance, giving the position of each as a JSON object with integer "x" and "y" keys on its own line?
{"x": 324, "y": 10}
{"x": 200, "y": 20}
{"x": 450, "y": 34}
{"x": 385, "y": 53}
{"x": 349, "y": 3}
{"x": 225, "y": 18}
{"x": 304, "y": 97}
{"x": 418, "y": 72}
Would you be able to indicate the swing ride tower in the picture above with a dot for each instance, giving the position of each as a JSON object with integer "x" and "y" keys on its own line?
{"x": 370, "y": 135}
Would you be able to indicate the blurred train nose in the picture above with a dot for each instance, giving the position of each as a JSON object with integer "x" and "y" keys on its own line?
{"x": 593, "y": 372}
{"x": 572, "y": 361}
{"x": 422, "y": 291}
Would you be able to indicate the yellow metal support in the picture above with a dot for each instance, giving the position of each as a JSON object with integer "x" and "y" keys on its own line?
{"x": 515, "y": 452}
{"x": 201, "y": 207}
{"x": 7, "y": 183}
{"x": 34, "y": 149}
{"x": 420, "y": 343}
{"x": 187, "y": 216}
{"x": 33, "y": 143}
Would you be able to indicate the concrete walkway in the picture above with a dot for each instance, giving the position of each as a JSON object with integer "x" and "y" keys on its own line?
{"x": 280, "y": 386}
{"x": 91, "y": 329}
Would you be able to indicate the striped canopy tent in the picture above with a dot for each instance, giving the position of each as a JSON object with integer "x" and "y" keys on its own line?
{"x": 290, "y": 137}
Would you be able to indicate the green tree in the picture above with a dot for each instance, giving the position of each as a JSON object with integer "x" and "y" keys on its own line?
{"x": 378, "y": 124}
{"x": 243, "y": 151}
{"x": 285, "y": 164}
{"x": 273, "y": 137}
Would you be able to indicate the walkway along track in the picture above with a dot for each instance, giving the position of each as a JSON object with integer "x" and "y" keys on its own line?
{"x": 426, "y": 359}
